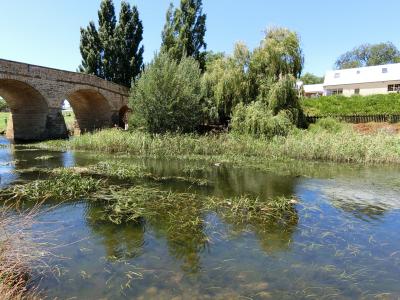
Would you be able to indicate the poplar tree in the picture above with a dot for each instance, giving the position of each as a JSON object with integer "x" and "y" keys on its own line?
{"x": 129, "y": 35}
{"x": 113, "y": 51}
{"x": 184, "y": 31}
{"x": 107, "y": 24}
{"x": 91, "y": 49}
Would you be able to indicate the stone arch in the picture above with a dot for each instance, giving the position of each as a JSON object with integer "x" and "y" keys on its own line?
{"x": 29, "y": 110}
{"x": 123, "y": 116}
{"x": 91, "y": 108}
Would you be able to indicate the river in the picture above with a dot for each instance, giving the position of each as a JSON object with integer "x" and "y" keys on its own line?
{"x": 345, "y": 243}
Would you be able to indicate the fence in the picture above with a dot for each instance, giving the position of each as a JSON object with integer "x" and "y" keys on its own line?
{"x": 359, "y": 119}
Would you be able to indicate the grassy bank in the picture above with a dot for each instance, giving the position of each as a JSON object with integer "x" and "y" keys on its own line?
{"x": 322, "y": 142}
{"x": 356, "y": 105}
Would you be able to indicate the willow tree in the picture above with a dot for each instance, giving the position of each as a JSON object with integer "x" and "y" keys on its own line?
{"x": 278, "y": 55}
{"x": 226, "y": 83}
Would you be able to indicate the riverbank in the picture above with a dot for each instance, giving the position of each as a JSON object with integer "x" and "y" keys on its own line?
{"x": 329, "y": 142}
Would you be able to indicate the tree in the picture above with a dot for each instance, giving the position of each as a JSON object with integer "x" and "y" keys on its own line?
{"x": 184, "y": 31}
{"x": 309, "y": 78}
{"x": 226, "y": 83}
{"x": 129, "y": 34}
{"x": 91, "y": 51}
{"x": 167, "y": 96}
{"x": 113, "y": 51}
{"x": 279, "y": 54}
{"x": 107, "y": 24}
{"x": 369, "y": 55}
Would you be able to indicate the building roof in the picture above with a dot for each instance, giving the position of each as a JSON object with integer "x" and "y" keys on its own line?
{"x": 313, "y": 88}
{"x": 363, "y": 75}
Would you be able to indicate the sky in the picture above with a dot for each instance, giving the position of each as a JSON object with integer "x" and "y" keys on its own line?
{"x": 46, "y": 32}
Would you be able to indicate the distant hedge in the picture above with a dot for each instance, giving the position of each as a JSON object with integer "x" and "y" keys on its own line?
{"x": 355, "y": 105}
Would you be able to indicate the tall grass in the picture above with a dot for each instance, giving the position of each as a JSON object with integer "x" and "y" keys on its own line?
{"x": 318, "y": 144}
{"x": 21, "y": 255}
{"x": 355, "y": 105}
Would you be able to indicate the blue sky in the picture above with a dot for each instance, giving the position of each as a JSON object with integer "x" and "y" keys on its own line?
{"x": 46, "y": 32}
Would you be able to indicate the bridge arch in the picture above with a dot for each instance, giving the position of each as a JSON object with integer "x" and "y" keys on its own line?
{"x": 29, "y": 110}
{"x": 91, "y": 108}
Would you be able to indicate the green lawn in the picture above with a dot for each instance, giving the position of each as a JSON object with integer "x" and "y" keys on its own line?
{"x": 69, "y": 118}
{"x": 3, "y": 121}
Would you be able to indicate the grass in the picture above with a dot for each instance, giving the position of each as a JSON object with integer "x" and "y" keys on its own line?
{"x": 356, "y": 105}
{"x": 69, "y": 118}
{"x": 3, "y": 121}
{"x": 21, "y": 255}
{"x": 316, "y": 144}
{"x": 64, "y": 184}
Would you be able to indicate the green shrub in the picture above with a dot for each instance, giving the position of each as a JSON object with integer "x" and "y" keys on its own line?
{"x": 166, "y": 98}
{"x": 355, "y": 105}
{"x": 256, "y": 120}
{"x": 327, "y": 124}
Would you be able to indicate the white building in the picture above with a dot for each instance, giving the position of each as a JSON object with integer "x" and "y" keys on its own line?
{"x": 364, "y": 81}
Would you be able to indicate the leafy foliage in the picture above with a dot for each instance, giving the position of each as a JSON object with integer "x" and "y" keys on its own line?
{"x": 248, "y": 76}
{"x": 355, "y": 105}
{"x": 226, "y": 83}
{"x": 166, "y": 98}
{"x": 113, "y": 51}
{"x": 184, "y": 31}
{"x": 369, "y": 55}
{"x": 3, "y": 105}
{"x": 257, "y": 120}
{"x": 309, "y": 78}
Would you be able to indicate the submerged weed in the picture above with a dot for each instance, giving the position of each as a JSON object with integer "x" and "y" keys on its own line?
{"x": 65, "y": 185}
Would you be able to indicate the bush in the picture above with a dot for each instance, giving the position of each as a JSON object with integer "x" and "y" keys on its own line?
{"x": 256, "y": 120}
{"x": 166, "y": 98}
{"x": 327, "y": 124}
{"x": 355, "y": 105}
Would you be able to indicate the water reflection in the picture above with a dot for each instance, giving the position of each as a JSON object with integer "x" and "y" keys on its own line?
{"x": 342, "y": 242}
{"x": 123, "y": 241}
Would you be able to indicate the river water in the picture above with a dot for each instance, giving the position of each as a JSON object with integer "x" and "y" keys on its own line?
{"x": 345, "y": 243}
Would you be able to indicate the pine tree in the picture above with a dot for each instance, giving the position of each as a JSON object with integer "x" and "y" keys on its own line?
{"x": 90, "y": 48}
{"x": 184, "y": 31}
{"x": 129, "y": 34}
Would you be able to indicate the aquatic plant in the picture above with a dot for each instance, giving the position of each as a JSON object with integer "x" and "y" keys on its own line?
{"x": 65, "y": 184}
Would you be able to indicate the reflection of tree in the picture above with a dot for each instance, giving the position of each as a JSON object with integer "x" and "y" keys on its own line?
{"x": 183, "y": 228}
{"x": 124, "y": 241}
{"x": 274, "y": 234}
{"x": 363, "y": 211}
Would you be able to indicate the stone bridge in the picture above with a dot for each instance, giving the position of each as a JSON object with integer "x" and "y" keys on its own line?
{"x": 35, "y": 96}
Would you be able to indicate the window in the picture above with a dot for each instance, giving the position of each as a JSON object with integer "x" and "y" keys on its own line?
{"x": 394, "y": 88}
{"x": 337, "y": 75}
{"x": 357, "y": 92}
{"x": 384, "y": 70}
{"x": 335, "y": 92}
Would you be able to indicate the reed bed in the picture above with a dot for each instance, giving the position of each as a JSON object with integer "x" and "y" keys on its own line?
{"x": 311, "y": 145}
